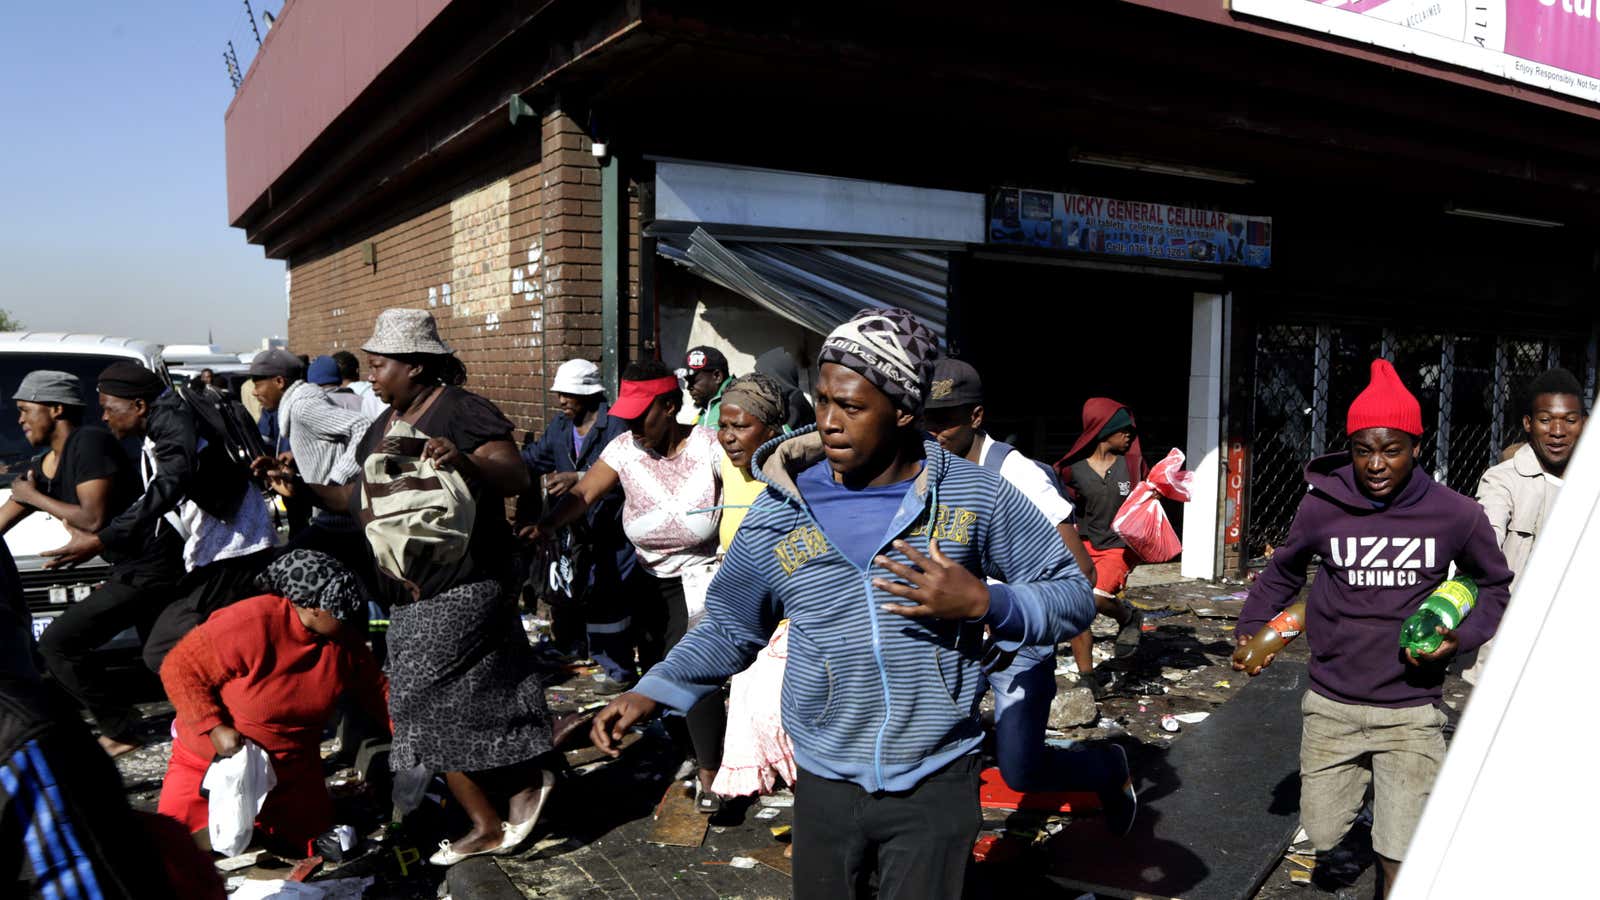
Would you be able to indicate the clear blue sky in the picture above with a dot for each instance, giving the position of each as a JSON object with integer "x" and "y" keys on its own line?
{"x": 113, "y": 208}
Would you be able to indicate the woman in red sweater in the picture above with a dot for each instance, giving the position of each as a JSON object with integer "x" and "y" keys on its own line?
{"x": 270, "y": 670}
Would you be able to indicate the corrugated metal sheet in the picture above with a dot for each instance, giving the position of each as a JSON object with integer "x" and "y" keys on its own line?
{"x": 817, "y": 285}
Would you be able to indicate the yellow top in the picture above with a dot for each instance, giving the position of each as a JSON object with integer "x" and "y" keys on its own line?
{"x": 739, "y": 490}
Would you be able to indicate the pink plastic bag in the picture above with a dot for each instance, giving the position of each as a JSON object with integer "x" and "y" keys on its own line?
{"x": 1142, "y": 522}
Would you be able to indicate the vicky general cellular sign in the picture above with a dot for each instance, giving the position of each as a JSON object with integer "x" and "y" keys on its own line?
{"x": 1550, "y": 44}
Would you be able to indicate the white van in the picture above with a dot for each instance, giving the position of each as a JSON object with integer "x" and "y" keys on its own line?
{"x": 49, "y": 592}
{"x": 1512, "y": 813}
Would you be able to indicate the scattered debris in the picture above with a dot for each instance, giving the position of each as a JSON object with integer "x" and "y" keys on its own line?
{"x": 742, "y": 862}
{"x": 1299, "y": 876}
{"x": 1192, "y": 718}
{"x": 235, "y": 863}
{"x": 1073, "y": 707}
{"x": 770, "y": 812}
{"x": 1170, "y": 724}
{"x": 995, "y": 848}
{"x": 782, "y": 801}
{"x": 1223, "y": 683}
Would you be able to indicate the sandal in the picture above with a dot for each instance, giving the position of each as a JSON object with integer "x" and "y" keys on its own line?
{"x": 707, "y": 802}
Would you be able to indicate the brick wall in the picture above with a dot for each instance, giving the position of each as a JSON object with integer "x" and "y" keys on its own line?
{"x": 509, "y": 265}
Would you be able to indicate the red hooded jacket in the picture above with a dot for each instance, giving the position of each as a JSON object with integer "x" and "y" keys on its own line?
{"x": 1097, "y": 411}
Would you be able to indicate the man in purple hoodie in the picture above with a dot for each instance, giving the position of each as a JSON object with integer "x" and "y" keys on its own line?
{"x": 1386, "y": 534}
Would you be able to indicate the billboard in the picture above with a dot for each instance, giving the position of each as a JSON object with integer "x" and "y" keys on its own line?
{"x": 1550, "y": 44}
{"x": 1111, "y": 227}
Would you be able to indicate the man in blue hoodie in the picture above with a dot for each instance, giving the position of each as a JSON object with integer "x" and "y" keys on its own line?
{"x": 875, "y": 544}
{"x": 1386, "y": 534}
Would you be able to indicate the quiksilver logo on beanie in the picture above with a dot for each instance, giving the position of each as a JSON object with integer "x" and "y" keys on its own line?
{"x": 888, "y": 347}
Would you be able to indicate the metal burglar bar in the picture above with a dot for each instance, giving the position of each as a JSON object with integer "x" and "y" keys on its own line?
{"x": 1305, "y": 375}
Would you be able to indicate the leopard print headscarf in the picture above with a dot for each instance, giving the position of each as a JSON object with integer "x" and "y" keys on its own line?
{"x": 314, "y": 580}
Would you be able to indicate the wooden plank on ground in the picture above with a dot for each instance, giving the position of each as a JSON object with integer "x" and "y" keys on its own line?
{"x": 773, "y": 858}
{"x": 677, "y": 822}
{"x": 1216, "y": 810}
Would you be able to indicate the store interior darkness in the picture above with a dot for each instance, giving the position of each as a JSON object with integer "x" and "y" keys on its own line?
{"x": 1046, "y": 338}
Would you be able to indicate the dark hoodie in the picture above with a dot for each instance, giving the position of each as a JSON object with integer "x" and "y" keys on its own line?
{"x": 1378, "y": 563}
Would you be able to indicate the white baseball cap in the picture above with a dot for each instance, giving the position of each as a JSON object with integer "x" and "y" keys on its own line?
{"x": 578, "y": 376}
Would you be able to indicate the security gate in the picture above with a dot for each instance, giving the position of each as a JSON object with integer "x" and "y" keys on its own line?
{"x": 1305, "y": 375}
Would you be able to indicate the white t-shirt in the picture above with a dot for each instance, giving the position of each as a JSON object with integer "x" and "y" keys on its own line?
{"x": 1026, "y": 476}
{"x": 669, "y": 505}
{"x": 371, "y": 406}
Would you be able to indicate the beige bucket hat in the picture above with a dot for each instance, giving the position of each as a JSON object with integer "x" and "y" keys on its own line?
{"x": 403, "y": 331}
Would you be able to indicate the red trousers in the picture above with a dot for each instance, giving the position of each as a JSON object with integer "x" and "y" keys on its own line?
{"x": 294, "y": 814}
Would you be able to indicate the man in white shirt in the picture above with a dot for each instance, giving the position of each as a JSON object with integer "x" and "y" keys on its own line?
{"x": 1023, "y": 679}
{"x": 1517, "y": 494}
{"x": 350, "y": 377}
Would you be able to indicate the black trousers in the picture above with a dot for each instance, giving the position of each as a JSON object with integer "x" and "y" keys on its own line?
{"x": 918, "y": 841}
{"x": 662, "y": 619}
{"x": 130, "y": 598}
{"x": 201, "y": 593}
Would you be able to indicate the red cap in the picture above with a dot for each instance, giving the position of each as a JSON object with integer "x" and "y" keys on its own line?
{"x": 1385, "y": 404}
{"x": 638, "y": 395}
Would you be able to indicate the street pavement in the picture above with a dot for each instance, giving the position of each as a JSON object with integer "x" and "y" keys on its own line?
{"x": 594, "y": 840}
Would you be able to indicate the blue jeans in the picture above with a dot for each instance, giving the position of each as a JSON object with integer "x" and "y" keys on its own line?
{"x": 1022, "y": 694}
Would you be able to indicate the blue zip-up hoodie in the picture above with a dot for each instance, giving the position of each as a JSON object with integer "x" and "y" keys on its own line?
{"x": 869, "y": 696}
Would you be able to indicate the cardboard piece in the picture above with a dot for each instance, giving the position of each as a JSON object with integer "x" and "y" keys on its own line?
{"x": 772, "y": 857}
{"x": 1217, "y": 609}
{"x": 677, "y": 823}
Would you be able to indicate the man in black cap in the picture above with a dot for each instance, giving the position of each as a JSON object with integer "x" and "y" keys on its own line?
{"x": 222, "y": 520}
{"x": 322, "y": 437}
{"x": 83, "y": 478}
{"x": 1025, "y": 686}
{"x": 706, "y": 370}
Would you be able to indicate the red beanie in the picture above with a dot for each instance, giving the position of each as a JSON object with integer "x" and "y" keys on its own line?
{"x": 1385, "y": 404}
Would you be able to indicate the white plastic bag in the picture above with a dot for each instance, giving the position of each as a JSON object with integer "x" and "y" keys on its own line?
{"x": 238, "y": 785}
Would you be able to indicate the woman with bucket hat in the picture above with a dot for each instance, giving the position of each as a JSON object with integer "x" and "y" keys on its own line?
{"x": 465, "y": 698}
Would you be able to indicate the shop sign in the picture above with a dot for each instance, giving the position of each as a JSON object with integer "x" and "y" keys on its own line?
{"x": 1551, "y": 44}
{"x": 1111, "y": 227}
{"x": 1235, "y": 498}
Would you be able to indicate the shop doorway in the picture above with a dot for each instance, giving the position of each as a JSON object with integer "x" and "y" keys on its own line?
{"x": 1048, "y": 337}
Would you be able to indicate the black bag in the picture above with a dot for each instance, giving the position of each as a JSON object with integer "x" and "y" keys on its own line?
{"x": 560, "y": 568}
{"x": 229, "y": 443}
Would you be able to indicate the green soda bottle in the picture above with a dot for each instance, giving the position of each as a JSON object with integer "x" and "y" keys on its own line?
{"x": 1447, "y": 605}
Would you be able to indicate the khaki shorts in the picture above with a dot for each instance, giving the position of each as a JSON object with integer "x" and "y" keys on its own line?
{"x": 1345, "y": 747}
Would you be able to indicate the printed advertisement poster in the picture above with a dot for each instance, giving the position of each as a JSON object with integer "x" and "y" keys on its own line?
{"x": 1551, "y": 44}
{"x": 1112, "y": 227}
